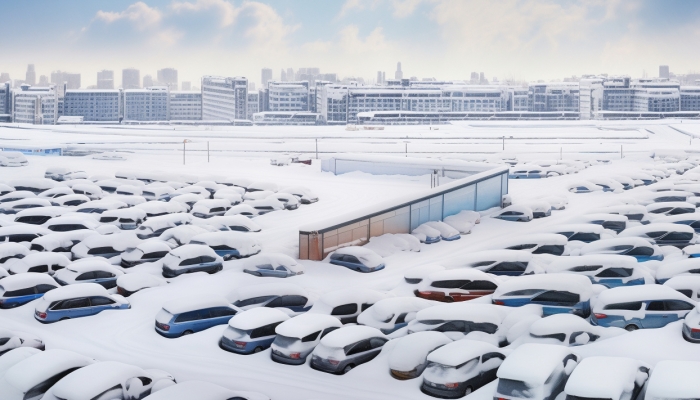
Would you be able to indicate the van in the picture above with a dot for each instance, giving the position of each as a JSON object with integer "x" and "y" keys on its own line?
{"x": 189, "y": 315}
{"x": 252, "y": 331}
{"x": 297, "y": 337}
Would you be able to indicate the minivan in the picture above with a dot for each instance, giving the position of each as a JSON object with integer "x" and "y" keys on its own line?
{"x": 557, "y": 293}
{"x": 185, "y": 316}
{"x": 252, "y": 331}
{"x": 297, "y": 337}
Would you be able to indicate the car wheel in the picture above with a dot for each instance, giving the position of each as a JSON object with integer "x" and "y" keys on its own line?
{"x": 348, "y": 368}
{"x": 187, "y": 332}
{"x": 468, "y": 390}
{"x": 449, "y": 299}
{"x": 631, "y": 327}
{"x": 64, "y": 319}
{"x": 257, "y": 350}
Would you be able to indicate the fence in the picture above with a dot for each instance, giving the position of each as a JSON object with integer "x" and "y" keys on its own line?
{"x": 477, "y": 192}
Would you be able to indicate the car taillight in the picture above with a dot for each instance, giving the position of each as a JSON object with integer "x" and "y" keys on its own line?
{"x": 295, "y": 356}
{"x": 333, "y": 362}
{"x": 41, "y": 315}
{"x": 695, "y": 330}
{"x": 499, "y": 303}
{"x": 240, "y": 344}
{"x": 424, "y": 293}
{"x": 165, "y": 327}
{"x": 600, "y": 316}
{"x": 451, "y": 385}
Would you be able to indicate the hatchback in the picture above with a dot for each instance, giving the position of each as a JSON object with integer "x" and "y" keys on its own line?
{"x": 459, "y": 368}
{"x": 107, "y": 246}
{"x": 228, "y": 245}
{"x": 457, "y": 285}
{"x": 663, "y": 234}
{"x": 77, "y": 301}
{"x": 556, "y": 293}
{"x": 272, "y": 295}
{"x": 147, "y": 251}
{"x": 460, "y": 319}
{"x": 347, "y": 304}
{"x": 191, "y": 258}
{"x": 297, "y": 337}
{"x": 346, "y": 348}
{"x": 273, "y": 265}
{"x": 208, "y": 208}
{"x": 538, "y": 243}
{"x": 682, "y": 267}
{"x": 252, "y": 331}
{"x": 408, "y": 358}
{"x": 10, "y": 340}
{"x": 391, "y": 314}
{"x": 357, "y": 258}
{"x": 674, "y": 379}
{"x": 38, "y": 262}
{"x": 185, "y": 316}
{"x": 20, "y": 289}
{"x": 636, "y": 247}
{"x": 10, "y": 250}
{"x": 624, "y": 379}
{"x": 516, "y": 212}
{"x": 89, "y": 270}
{"x": 609, "y": 270}
{"x": 126, "y": 218}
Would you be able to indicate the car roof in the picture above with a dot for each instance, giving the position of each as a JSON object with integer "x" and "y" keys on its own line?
{"x": 91, "y": 380}
{"x": 257, "y": 317}
{"x": 456, "y": 353}
{"x": 613, "y": 376}
{"x": 25, "y": 280}
{"x": 533, "y": 363}
{"x": 43, "y": 365}
{"x": 73, "y": 291}
{"x": 305, "y": 324}
{"x": 178, "y": 306}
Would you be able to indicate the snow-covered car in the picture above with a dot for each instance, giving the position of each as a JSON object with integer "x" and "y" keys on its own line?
{"x": 447, "y": 232}
{"x": 242, "y": 209}
{"x": 179, "y": 235}
{"x": 107, "y": 380}
{"x": 585, "y": 233}
{"x": 68, "y": 223}
{"x": 129, "y": 190}
{"x": 555, "y": 202}
{"x": 416, "y": 275}
{"x": 525, "y": 171}
{"x": 231, "y": 194}
{"x": 535, "y": 371}
{"x": 297, "y": 337}
{"x": 203, "y": 192}
{"x": 408, "y": 357}
{"x": 129, "y": 284}
{"x": 556, "y": 293}
{"x": 21, "y": 233}
{"x": 499, "y": 262}
{"x": 228, "y": 245}
{"x": 688, "y": 285}
{"x": 584, "y": 187}
{"x": 191, "y": 258}
{"x": 305, "y": 195}
{"x": 238, "y": 223}
{"x": 388, "y": 244}
{"x": 357, "y": 258}
{"x": 291, "y": 298}
{"x": 266, "y": 205}
{"x": 567, "y": 330}
{"x": 60, "y": 242}
{"x": 692, "y": 220}
{"x": 426, "y": 234}
{"x": 537, "y": 243}
{"x": 92, "y": 191}
{"x": 636, "y": 247}
{"x": 35, "y": 185}
{"x": 515, "y": 212}
{"x": 682, "y": 267}
{"x": 184, "y": 201}
{"x": 38, "y": 262}
{"x": 691, "y": 326}
{"x": 260, "y": 186}
{"x": 290, "y": 201}
{"x": 201, "y": 391}
{"x": 346, "y": 348}
{"x": 663, "y": 234}
{"x": 39, "y": 215}
{"x": 187, "y": 315}
{"x": 236, "y": 182}
{"x": 671, "y": 208}
{"x": 459, "y": 368}
{"x": 614, "y": 222}
{"x": 155, "y": 226}
{"x": 107, "y": 246}
{"x": 540, "y": 208}
{"x": 626, "y": 182}
{"x": 391, "y": 314}
{"x": 617, "y": 378}
{"x": 75, "y": 301}
{"x": 674, "y": 379}
{"x": 13, "y": 207}
{"x": 89, "y": 270}
{"x": 18, "y": 290}
{"x": 15, "y": 195}
{"x": 10, "y": 340}
{"x": 609, "y": 270}
{"x": 5, "y": 189}
{"x": 208, "y": 208}
{"x": 257, "y": 195}
{"x": 125, "y": 219}
{"x": 252, "y": 331}
{"x": 156, "y": 192}
{"x": 459, "y": 319}
{"x": 633, "y": 212}
{"x": 211, "y": 186}
{"x": 147, "y": 251}
{"x": 463, "y": 221}
{"x": 158, "y": 208}
{"x": 607, "y": 184}
{"x": 274, "y": 265}
{"x": 100, "y": 206}
{"x": 70, "y": 200}
{"x": 670, "y": 196}
{"x": 455, "y": 285}
{"x": 347, "y": 304}
{"x": 640, "y": 307}
{"x": 33, "y": 376}
{"x": 3, "y": 273}
{"x": 129, "y": 200}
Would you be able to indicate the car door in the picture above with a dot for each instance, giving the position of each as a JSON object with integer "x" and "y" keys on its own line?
{"x": 106, "y": 279}
{"x": 655, "y": 315}
{"x": 478, "y": 288}
{"x": 205, "y": 319}
{"x": 556, "y": 302}
{"x": 78, "y": 307}
{"x": 361, "y": 352}
{"x": 489, "y": 366}
{"x": 352, "y": 262}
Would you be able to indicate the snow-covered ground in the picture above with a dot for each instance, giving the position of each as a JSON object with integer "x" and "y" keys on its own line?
{"x": 129, "y": 335}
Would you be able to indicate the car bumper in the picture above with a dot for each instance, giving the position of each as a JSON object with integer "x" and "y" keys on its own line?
{"x": 282, "y": 359}
{"x": 441, "y": 393}
{"x": 323, "y": 365}
{"x": 229, "y": 345}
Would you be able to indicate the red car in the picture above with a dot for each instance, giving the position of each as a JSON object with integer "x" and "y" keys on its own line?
{"x": 457, "y": 285}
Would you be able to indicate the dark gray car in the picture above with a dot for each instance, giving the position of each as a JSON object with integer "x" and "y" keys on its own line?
{"x": 344, "y": 349}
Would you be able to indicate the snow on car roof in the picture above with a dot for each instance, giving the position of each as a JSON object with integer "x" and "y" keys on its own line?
{"x": 624, "y": 294}
{"x": 674, "y": 379}
{"x": 92, "y": 380}
{"x": 672, "y": 204}
{"x": 229, "y": 238}
{"x": 588, "y": 228}
{"x": 12, "y": 357}
{"x": 33, "y": 370}
{"x": 676, "y": 218}
{"x": 258, "y": 185}
{"x": 274, "y": 259}
{"x": 562, "y": 264}
{"x": 77, "y": 290}
{"x": 387, "y": 244}
{"x": 538, "y": 238}
{"x": 388, "y": 307}
{"x": 192, "y": 250}
{"x": 206, "y": 204}
{"x": 600, "y": 246}
{"x": 102, "y": 204}
{"x": 476, "y": 312}
{"x": 350, "y": 334}
{"x": 671, "y": 269}
{"x": 532, "y": 363}
{"x": 305, "y": 324}
{"x": 455, "y": 353}
{"x": 10, "y": 249}
{"x": 139, "y": 280}
{"x": 125, "y": 212}
{"x": 559, "y": 323}
{"x": 367, "y": 256}
{"x": 347, "y": 296}
{"x": 587, "y": 184}
{"x": 85, "y": 219}
{"x": 25, "y": 280}
{"x": 241, "y": 208}
{"x": 561, "y": 282}
{"x": 656, "y": 227}
{"x": 229, "y": 220}
{"x": 52, "y": 211}
{"x": 461, "y": 273}
{"x": 257, "y": 317}
{"x": 121, "y": 240}
{"x": 93, "y": 264}
{"x": 62, "y": 239}
{"x": 421, "y": 271}
{"x": 444, "y": 228}
{"x": 411, "y": 350}
{"x": 266, "y": 289}
{"x": 190, "y": 303}
{"x": 613, "y": 376}
{"x": 684, "y": 282}
{"x": 620, "y": 208}
{"x": 163, "y": 220}
{"x": 199, "y": 390}
{"x": 23, "y": 228}
{"x": 43, "y": 258}
{"x": 153, "y": 244}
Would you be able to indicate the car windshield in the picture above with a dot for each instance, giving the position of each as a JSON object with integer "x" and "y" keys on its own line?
{"x": 513, "y": 388}
{"x": 439, "y": 373}
{"x": 285, "y": 341}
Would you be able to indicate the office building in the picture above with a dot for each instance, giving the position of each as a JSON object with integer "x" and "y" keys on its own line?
{"x": 690, "y": 98}
{"x": 43, "y": 80}
{"x": 105, "y": 79}
{"x": 5, "y": 99}
{"x": 552, "y": 97}
{"x": 71, "y": 80}
{"x": 287, "y": 96}
{"x": 148, "y": 81}
{"x": 131, "y": 78}
{"x": 168, "y": 77}
{"x": 30, "y": 76}
{"x": 398, "y": 74}
{"x": 265, "y": 76}
{"x": 94, "y": 105}
{"x": 4, "y": 77}
{"x": 664, "y": 72}
{"x": 147, "y": 104}
{"x": 185, "y": 106}
{"x": 253, "y": 104}
{"x": 224, "y": 98}
{"x": 290, "y": 75}
{"x": 35, "y": 105}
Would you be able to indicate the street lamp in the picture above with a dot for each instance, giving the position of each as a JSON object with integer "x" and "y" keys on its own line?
{"x": 184, "y": 142}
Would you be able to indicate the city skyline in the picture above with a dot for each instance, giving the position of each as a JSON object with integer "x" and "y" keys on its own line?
{"x": 446, "y": 39}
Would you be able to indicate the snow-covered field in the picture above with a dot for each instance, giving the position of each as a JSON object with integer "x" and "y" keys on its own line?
{"x": 129, "y": 335}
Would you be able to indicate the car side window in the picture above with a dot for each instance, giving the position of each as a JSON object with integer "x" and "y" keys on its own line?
{"x": 75, "y": 303}
{"x": 450, "y": 284}
{"x": 401, "y": 318}
{"x": 101, "y": 301}
{"x": 42, "y": 387}
{"x": 507, "y": 266}
{"x": 556, "y": 296}
{"x": 265, "y": 267}
{"x": 615, "y": 273}
{"x": 85, "y": 276}
{"x": 359, "y": 347}
{"x": 345, "y": 309}
{"x": 103, "y": 275}
{"x": 145, "y": 380}
{"x": 377, "y": 342}
{"x": 267, "y": 330}
{"x": 155, "y": 254}
{"x": 311, "y": 337}
{"x": 188, "y": 316}
{"x": 656, "y": 306}
{"x": 686, "y": 292}
{"x": 190, "y": 261}
{"x": 252, "y": 300}
{"x": 480, "y": 285}
{"x": 678, "y": 305}
{"x": 207, "y": 259}
{"x": 43, "y": 288}
{"x": 489, "y": 356}
{"x": 351, "y": 259}
{"x": 222, "y": 312}
{"x": 110, "y": 394}
{"x": 20, "y": 292}
{"x": 328, "y": 330}
{"x": 39, "y": 268}
{"x": 632, "y": 306}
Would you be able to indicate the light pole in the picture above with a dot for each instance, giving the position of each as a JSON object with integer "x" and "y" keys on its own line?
{"x": 184, "y": 142}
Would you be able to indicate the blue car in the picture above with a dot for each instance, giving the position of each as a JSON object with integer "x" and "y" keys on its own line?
{"x": 293, "y": 298}
{"x": 75, "y": 301}
{"x": 556, "y": 293}
{"x": 609, "y": 270}
{"x": 20, "y": 289}
{"x": 191, "y": 258}
{"x": 636, "y": 247}
{"x": 640, "y": 307}
{"x": 358, "y": 259}
{"x": 186, "y": 316}
{"x": 252, "y": 331}
{"x": 228, "y": 244}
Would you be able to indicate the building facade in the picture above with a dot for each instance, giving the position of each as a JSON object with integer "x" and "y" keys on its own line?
{"x": 224, "y": 98}
{"x": 35, "y": 105}
{"x": 99, "y": 105}
{"x": 253, "y": 104}
{"x": 149, "y": 104}
{"x": 131, "y": 78}
{"x": 167, "y": 77}
{"x": 287, "y": 96}
{"x": 5, "y": 99}
{"x": 553, "y": 97}
{"x": 185, "y": 105}
{"x": 690, "y": 98}
{"x": 105, "y": 79}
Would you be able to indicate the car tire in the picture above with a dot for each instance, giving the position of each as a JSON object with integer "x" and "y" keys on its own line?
{"x": 257, "y": 349}
{"x": 187, "y": 332}
{"x": 64, "y": 319}
{"x": 468, "y": 390}
{"x": 348, "y": 368}
{"x": 631, "y": 328}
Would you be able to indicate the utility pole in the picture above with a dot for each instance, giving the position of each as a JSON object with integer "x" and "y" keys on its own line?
{"x": 317, "y": 149}
{"x": 406, "y": 149}
{"x": 207, "y": 151}
{"x": 504, "y": 143}
{"x": 184, "y": 149}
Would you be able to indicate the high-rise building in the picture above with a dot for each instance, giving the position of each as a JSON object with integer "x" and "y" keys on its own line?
{"x": 148, "y": 81}
{"x": 105, "y": 79}
{"x": 43, "y": 80}
{"x": 185, "y": 105}
{"x": 147, "y": 104}
{"x": 265, "y": 76}
{"x": 474, "y": 78}
{"x": 186, "y": 86}
{"x": 553, "y": 97}
{"x": 31, "y": 75}
{"x": 253, "y": 104}
{"x": 287, "y": 96}
{"x": 290, "y": 74}
{"x": 664, "y": 72}
{"x": 35, "y": 105}
{"x": 4, "y": 77}
{"x": 71, "y": 80}
{"x": 224, "y": 98}
{"x": 168, "y": 77}
{"x": 98, "y": 105}
{"x": 131, "y": 78}
{"x": 398, "y": 74}
{"x": 380, "y": 80}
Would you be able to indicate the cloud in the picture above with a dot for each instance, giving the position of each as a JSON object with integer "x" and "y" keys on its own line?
{"x": 227, "y": 11}
{"x": 357, "y": 5}
{"x": 166, "y": 37}
{"x": 404, "y": 8}
{"x": 269, "y": 31}
{"x": 139, "y": 14}
{"x": 351, "y": 42}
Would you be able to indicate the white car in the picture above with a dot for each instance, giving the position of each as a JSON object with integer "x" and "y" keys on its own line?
{"x": 12, "y": 159}
{"x": 297, "y": 337}
{"x": 427, "y": 234}
{"x": 10, "y": 340}
{"x": 89, "y": 270}
{"x": 393, "y": 313}
{"x": 567, "y": 330}
{"x": 617, "y": 378}
{"x": 408, "y": 357}
{"x": 447, "y": 232}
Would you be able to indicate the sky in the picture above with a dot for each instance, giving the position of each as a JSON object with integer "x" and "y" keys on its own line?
{"x": 523, "y": 40}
